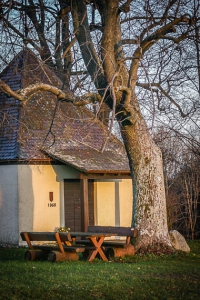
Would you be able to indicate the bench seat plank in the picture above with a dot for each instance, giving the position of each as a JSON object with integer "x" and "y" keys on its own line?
{"x": 76, "y": 248}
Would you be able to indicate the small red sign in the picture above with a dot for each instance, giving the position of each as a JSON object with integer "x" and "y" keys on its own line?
{"x": 51, "y": 196}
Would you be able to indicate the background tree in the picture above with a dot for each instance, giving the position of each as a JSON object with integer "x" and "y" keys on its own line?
{"x": 134, "y": 56}
{"x": 182, "y": 180}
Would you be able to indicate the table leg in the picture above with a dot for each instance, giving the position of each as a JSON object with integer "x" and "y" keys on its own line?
{"x": 97, "y": 242}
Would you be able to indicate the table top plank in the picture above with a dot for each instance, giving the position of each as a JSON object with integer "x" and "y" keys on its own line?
{"x": 91, "y": 234}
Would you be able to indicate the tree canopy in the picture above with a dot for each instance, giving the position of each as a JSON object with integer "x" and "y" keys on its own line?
{"x": 164, "y": 37}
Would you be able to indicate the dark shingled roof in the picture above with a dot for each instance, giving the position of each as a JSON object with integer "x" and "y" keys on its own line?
{"x": 74, "y": 137}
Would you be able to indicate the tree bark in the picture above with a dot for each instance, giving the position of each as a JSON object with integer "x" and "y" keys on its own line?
{"x": 149, "y": 201}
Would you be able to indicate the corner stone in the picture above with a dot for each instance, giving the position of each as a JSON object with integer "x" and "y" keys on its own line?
{"x": 178, "y": 241}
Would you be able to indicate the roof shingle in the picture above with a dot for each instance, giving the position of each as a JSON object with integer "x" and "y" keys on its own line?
{"x": 74, "y": 136}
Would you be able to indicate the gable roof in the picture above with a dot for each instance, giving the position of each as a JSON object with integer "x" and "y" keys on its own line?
{"x": 45, "y": 127}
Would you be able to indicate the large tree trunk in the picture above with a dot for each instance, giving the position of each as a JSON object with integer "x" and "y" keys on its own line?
{"x": 149, "y": 204}
{"x": 149, "y": 201}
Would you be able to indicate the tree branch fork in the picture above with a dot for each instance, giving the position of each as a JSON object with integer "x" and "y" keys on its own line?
{"x": 24, "y": 95}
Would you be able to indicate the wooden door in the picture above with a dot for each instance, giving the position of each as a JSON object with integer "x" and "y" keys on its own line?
{"x": 72, "y": 196}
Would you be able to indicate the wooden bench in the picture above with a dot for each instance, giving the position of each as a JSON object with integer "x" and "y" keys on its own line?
{"x": 115, "y": 247}
{"x": 54, "y": 246}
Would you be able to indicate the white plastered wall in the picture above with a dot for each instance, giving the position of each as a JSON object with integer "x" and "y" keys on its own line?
{"x": 8, "y": 205}
{"x": 113, "y": 203}
{"x": 36, "y": 211}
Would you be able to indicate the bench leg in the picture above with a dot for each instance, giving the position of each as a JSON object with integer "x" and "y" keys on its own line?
{"x": 55, "y": 256}
{"x": 35, "y": 255}
{"x": 113, "y": 252}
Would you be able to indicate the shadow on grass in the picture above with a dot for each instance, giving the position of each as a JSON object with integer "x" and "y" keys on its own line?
{"x": 11, "y": 254}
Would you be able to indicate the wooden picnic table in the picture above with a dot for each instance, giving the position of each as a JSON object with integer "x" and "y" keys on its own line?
{"x": 65, "y": 244}
{"x": 96, "y": 239}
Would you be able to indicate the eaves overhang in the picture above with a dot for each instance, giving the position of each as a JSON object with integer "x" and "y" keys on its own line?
{"x": 26, "y": 161}
{"x": 88, "y": 171}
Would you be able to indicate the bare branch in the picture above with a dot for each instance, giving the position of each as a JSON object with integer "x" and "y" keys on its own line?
{"x": 126, "y": 6}
{"x": 9, "y": 92}
{"x": 82, "y": 29}
{"x": 130, "y": 42}
{"x": 161, "y": 33}
{"x": 71, "y": 44}
{"x": 27, "y": 93}
{"x": 20, "y": 34}
{"x": 149, "y": 87}
{"x": 148, "y": 42}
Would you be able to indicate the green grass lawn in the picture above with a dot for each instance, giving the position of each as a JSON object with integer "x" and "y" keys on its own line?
{"x": 138, "y": 277}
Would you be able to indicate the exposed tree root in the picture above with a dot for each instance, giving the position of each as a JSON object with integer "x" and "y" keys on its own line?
{"x": 157, "y": 248}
